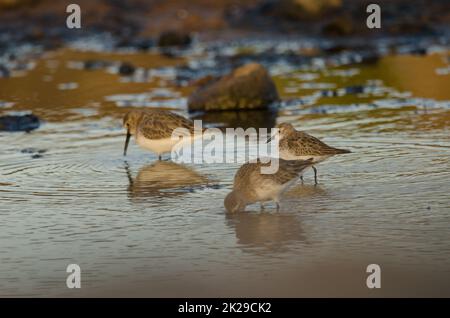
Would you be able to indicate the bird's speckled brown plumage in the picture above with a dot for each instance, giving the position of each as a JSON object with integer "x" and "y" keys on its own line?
{"x": 156, "y": 124}
{"x": 154, "y": 129}
{"x": 250, "y": 185}
{"x": 300, "y": 143}
{"x": 249, "y": 175}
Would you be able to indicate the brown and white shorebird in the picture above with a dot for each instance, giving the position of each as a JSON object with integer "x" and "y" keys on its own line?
{"x": 152, "y": 129}
{"x": 251, "y": 186}
{"x": 298, "y": 145}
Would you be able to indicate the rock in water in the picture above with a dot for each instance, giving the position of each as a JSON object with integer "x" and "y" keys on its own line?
{"x": 174, "y": 38}
{"x": 247, "y": 87}
{"x": 4, "y": 72}
{"x": 92, "y": 65}
{"x": 126, "y": 69}
{"x": 19, "y": 123}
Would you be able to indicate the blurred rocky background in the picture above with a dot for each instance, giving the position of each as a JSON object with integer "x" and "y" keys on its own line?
{"x": 166, "y": 22}
{"x": 207, "y": 56}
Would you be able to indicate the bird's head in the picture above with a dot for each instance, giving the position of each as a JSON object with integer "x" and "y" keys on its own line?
{"x": 131, "y": 119}
{"x": 234, "y": 203}
{"x": 130, "y": 123}
{"x": 285, "y": 129}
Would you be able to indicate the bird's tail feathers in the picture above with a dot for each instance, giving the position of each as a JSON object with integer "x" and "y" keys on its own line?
{"x": 341, "y": 151}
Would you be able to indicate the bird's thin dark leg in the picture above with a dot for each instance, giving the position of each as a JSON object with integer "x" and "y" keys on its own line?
{"x": 301, "y": 178}
{"x": 159, "y": 157}
{"x": 262, "y": 206}
{"x": 278, "y": 206}
{"x": 315, "y": 174}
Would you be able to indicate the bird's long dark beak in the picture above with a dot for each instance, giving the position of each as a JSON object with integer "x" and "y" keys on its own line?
{"x": 126, "y": 142}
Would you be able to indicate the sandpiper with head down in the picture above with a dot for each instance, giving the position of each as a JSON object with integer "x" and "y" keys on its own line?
{"x": 298, "y": 145}
{"x": 152, "y": 129}
{"x": 251, "y": 186}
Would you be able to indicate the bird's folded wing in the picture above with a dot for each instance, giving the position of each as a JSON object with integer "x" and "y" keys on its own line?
{"x": 304, "y": 145}
{"x": 162, "y": 125}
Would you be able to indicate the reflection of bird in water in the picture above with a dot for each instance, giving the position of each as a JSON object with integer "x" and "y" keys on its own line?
{"x": 270, "y": 231}
{"x": 152, "y": 129}
{"x": 298, "y": 145}
{"x": 251, "y": 185}
{"x": 306, "y": 191}
{"x": 163, "y": 175}
{"x": 312, "y": 197}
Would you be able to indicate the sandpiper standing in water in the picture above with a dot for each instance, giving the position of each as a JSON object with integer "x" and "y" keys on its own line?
{"x": 298, "y": 145}
{"x": 152, "y": 129}
{"x": 251, "y": 186}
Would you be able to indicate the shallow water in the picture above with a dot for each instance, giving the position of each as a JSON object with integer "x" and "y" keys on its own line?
{"x": 138, "y": 227}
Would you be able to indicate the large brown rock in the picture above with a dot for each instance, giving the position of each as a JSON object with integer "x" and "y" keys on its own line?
{"x": 247, "y": 87}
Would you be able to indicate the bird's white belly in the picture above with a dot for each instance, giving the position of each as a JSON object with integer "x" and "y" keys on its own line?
{"x": 158, "y": 146}
{"x": 268, "y": 191}
{"x": 164, "y": 145}
{"x": 286, "y": 155}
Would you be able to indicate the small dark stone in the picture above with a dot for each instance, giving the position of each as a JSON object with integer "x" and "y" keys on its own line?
{"x": 141, "y": 44}
{"x": 19, "y": 123}
{"x": 126, "y": 69}
{"x": 174, "y": 38}
{"x": 335, "y": 49}
{"x": 28, "y": 150}
{"x": 95, "y": 64}
{"x": 338, "y": 27}
{"x": 356, "y": 89}
{"x": 419, "y": 51}
{"x": 328, "y": 93}
{"x": 36, "y": 156}
{"x": 31, "y": 150}
{"x": 369, "y": 58}
{"x": 413, "y": 50}
{"x": 144, "y": 44}
{"x": 4, "y": 72}
{"x": 169, "y": 53}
